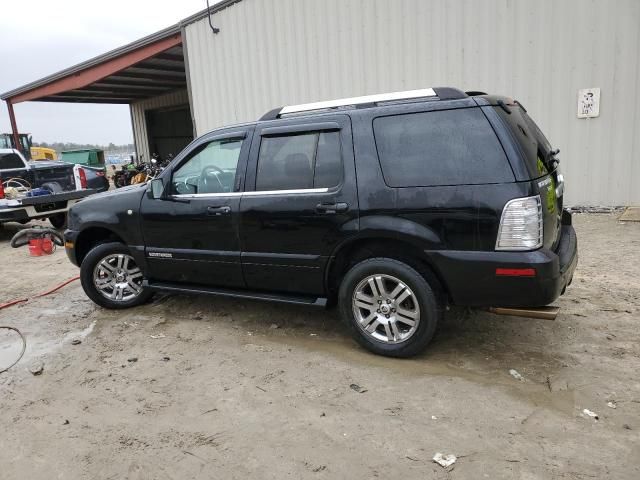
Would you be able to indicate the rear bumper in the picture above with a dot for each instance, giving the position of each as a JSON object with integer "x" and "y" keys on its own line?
{"x": 471, "y": 279}
{"x": 44, "y": 206}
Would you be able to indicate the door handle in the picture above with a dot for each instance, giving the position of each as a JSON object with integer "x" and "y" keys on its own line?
{"x": 332, "y": 208}
{"x": 217, "y": 211}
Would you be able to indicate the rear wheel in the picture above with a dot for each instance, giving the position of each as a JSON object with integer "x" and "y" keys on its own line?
{"x": 111, "y": 278}
{"x": 389, "y": 306}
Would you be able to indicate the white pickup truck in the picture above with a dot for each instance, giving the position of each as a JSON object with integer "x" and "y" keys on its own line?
{"x": 52, "y": 185}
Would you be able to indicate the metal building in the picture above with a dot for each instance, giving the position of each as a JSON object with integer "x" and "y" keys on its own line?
{"x": 269, "y": 53}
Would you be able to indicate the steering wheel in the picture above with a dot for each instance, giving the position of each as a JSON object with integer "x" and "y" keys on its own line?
{"x": 205, "y": 178}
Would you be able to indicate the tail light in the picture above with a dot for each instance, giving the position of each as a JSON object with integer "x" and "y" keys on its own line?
{"x": 1, "y": 189}
{"x": 521, "y": 225}
{"x": 83, "y": 178}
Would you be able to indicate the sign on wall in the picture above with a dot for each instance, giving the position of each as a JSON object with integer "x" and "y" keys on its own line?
{"x": 588, "y": 102}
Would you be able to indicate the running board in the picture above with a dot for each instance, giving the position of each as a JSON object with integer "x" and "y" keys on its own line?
{"x": 226, "y": 292}
{"x": 541, "y": 313}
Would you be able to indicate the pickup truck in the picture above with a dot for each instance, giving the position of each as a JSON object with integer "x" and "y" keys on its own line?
{"x": 56, "y": 177}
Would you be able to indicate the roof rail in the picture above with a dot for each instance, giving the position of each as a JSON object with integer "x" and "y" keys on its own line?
{"x": 382, "y": 97}
{"x": 442, "y": 93}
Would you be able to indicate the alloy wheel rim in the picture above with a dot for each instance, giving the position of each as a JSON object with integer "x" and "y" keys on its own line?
{"x": 118, "y": 278}
{"x": 386, "y": 309}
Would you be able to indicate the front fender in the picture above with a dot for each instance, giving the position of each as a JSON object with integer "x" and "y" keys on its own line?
{"x": 117, "y": 211}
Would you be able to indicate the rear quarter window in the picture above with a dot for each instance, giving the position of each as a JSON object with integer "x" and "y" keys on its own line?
{"x": 444, "y": 147}
{"x": 532, "y": 142}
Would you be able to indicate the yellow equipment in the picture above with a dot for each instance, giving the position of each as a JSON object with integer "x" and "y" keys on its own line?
{"x": 42, "y": 153}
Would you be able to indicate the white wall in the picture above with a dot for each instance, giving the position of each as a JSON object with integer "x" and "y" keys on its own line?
{"x": 275, "y": 52}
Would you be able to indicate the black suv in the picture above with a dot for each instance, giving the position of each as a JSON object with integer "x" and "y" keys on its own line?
{"x": 391, "y": 205}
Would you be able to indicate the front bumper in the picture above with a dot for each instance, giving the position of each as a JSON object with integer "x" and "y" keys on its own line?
{"x": 70, "y": 237}
{"x": 471, "y": 280}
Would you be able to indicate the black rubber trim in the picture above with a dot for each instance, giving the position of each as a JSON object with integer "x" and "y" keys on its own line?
{"x": 226, "y": 292}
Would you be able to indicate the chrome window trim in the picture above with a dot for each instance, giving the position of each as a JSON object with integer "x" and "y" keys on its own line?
{"x": 299, "y": 191}
{"x": 207, "y": 195}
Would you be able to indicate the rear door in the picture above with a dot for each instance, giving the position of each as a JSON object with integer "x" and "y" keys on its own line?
{"x": 300, "y": 202}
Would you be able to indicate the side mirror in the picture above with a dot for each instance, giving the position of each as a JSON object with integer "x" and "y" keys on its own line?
{"x": 157, "y": 187}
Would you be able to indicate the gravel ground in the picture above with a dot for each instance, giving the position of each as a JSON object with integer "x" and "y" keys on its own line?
{"x": 204, "y": 387}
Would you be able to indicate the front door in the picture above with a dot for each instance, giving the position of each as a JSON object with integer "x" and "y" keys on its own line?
{"x": 300, "y": 202}
{"x": 191, "y": 233}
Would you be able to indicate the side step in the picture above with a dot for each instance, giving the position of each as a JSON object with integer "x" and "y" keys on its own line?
{"x": 226, "y": 292}
{"x": 541, "y": 313}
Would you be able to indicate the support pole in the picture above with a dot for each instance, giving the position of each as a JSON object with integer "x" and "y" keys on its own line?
{"x": 14, "y": 126}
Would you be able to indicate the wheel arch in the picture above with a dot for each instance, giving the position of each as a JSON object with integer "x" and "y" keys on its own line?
{"x": 92, "y": 236}
{"x": 407, "y": 249}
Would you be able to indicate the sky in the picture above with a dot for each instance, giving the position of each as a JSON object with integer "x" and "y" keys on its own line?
{"x": 41, "y": 37}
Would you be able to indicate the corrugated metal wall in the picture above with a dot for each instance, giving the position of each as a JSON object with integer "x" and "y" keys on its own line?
{"x": 275, "y": 52}
{"x": 139, "y": 122}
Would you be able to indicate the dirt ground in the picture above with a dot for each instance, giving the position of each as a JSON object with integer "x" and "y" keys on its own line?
{"x": 205, "y": 387}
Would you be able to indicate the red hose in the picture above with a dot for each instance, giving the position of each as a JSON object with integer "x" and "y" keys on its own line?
{"x": 58, "y": 287}
{"x": 13, "y": 302}
{"x": 54, "y": 289}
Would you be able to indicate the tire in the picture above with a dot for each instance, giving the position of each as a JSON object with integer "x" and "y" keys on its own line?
{"x": 93, "y": 269}
{"x": 53, "y": 187}
{"x": 59, "y": 220}
{"x": 389, "y": 333}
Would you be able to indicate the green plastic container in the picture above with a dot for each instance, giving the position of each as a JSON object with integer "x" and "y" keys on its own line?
{"x": 89, "y": 157}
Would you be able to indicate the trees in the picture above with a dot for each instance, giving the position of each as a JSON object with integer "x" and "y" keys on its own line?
{"x": 64, "y": 146}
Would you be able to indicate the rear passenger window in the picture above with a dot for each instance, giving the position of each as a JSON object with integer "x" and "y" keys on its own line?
{"x": 10, "y": 160}
{"x": 446, "y": 147}
{"x": 304, "y": 161}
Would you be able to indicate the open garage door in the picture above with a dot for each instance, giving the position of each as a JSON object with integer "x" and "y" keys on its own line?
{"x": 169, "y": 130}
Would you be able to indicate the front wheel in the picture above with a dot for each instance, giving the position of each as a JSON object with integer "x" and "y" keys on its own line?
{"x": 389, "y": 306}
{"x": 111, "y": 278}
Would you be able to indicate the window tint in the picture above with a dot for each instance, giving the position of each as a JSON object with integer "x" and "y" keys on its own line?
{"x": 10, "y": 160}
{"x": 211, "y": 169}
{"x": 534, "y": 144}
{"x": 292, "y": 162}
{"x": 328, "y": 171}
{"x": 447, "y": 147}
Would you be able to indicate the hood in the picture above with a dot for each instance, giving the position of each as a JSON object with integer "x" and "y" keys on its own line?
{"x": 120, "y": 192}
{"x": 106, "y": 205}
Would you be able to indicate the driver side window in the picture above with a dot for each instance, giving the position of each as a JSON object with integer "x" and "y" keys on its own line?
{"x": 211, "y": 168}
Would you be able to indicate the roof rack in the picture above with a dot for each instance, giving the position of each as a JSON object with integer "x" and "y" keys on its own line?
{"x": 441, "y": 93}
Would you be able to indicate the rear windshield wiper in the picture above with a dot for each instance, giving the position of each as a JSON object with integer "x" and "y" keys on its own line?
{"x": 551, "y": 158}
